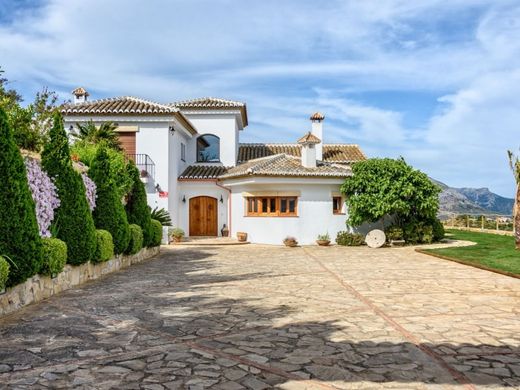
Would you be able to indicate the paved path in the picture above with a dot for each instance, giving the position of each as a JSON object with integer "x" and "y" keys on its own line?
{"x": 257, "y": 317}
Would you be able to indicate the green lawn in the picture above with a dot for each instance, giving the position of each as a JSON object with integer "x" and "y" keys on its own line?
{"x": 492, "y": 251}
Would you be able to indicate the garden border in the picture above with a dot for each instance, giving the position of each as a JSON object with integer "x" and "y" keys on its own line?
{"x": 40, "y": 287}
{"x": 469, "y": 263}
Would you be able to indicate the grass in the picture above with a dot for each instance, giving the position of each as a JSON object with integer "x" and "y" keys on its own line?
{"x": 492, "y": 251}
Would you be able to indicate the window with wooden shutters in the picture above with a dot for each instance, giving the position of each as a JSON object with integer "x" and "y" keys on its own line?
{"x": 272, "y": 206}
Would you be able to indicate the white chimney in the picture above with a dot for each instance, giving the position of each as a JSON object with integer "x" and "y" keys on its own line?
{"x": 80, "y": 95}
{"x": 317, "y": 130}
{"x": 309, "y": 143}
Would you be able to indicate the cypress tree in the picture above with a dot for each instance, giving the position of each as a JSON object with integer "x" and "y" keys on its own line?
{"x": 137, "y": 209}
{"x": 73, "y": 220}
{"x": 20, "y": 240}
{"x": 109, "y": 213}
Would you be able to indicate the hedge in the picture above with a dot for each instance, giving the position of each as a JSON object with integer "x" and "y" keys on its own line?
{"x": 4, "y": 272}
{"x": 137, "y": 210}
{"x": 136, "y": 239}
{"x": 54, "y": 256}
{"x": 157, "y": 233}
{"x": 109, "y": 213}
{"x": 19, "y": 233}
{"x": 73, "y": 222}
{"x": 104, "y": 246}
{"x": 349, "y": 239}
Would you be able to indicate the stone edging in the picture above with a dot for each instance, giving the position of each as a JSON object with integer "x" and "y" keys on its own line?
{"x": 471, "y": 264}
{"x": 40, "y": 287}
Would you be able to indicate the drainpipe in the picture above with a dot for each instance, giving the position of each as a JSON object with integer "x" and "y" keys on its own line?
{"x": 229, "y": 205}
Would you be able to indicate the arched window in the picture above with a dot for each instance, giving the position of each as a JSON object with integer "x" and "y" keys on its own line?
{"x": 208, "y": 148}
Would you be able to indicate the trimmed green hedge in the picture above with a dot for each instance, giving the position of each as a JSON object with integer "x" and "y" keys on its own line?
{"x": 104, "y": 246}
{"x": 136, "y": 239}
{"x": 73, "y": 220}
{"x": 157, "y": 233}
{"x": 54, "y": 256}
{"x": 109, "y": 213}
{"x": 19, "y": 234}
{"x": 349, "y": 239}
{"x": 4, "y": 272}
{"x": 137, "y": 210}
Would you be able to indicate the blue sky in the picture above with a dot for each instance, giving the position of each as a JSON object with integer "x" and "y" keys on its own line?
{"x": 434, "y": 81}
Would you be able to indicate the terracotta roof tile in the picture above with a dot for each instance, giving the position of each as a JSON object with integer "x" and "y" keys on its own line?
{"x": 212, "y": 103}
{"x": 338, "y": 153}
{"x": 287, "y": 166}
{"x": 317, "y": 116}
{"x": 202, "y": 172}
{"x": 118, "y": 106}
{"x": 309, "y": 138}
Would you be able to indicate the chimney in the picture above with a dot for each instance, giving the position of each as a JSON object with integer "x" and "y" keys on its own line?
{"x": 317, "y": 130}
{"x": 309, "y": 143}
{"x": 80, "y": 95}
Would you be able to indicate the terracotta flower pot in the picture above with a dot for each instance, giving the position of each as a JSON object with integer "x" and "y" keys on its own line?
{"x": 290, "y": 243}
{"x": 177, "y": 239}
{"x": 323, "y": 242}
{"x": 241, "y": 236}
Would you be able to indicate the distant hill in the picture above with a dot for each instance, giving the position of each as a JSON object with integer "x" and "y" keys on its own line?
{"x": 471, "y": 201}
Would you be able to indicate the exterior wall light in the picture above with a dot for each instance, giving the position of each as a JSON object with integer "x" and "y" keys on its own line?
{"x": 184, "y": 199}
{"x": 172, "y": 130}
{"x": 221, "y": 199}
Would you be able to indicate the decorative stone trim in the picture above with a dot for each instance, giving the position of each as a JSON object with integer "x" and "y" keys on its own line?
{"x": 40, "y": 287}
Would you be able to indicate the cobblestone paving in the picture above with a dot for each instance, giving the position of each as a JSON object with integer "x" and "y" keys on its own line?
{"x": 257, "y": 317}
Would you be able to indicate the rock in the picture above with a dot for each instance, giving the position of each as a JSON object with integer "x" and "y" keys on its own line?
{"x": 134, "y": 365}
{"x": 4, "y": 368}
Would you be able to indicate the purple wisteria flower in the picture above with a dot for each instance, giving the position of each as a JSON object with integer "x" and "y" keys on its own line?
{"x": 44, "y": 194}
{"x": 91, "y": 188}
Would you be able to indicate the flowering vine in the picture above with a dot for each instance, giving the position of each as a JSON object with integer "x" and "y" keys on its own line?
{"x": 44, "y": 194}
{"x": 91, "y": 188}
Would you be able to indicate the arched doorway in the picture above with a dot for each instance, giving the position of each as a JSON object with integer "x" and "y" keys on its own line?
{"x": 203, "y": 216}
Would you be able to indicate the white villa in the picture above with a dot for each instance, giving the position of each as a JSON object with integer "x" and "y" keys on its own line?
{"x": 195, "y": 166}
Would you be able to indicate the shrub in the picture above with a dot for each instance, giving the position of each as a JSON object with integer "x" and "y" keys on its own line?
{"x": 104, "y": 246}
{"x": 54, "y": 256}
{"x": 177, "y": 233}
{"x": 75, "y": 223}
{"x": 86, "y": 153}
{"x": 349, "y": 239}
{"x": 4, "y": 272}
{"x": 109, "y": 213}
{"x": 394, "y": 232}
{"x": 136, "y": 239}
{"x": 162, "y": 215}
{"x": 157, "y": 233}
{"x": 19, "y": 234}
{"x": 438, "y": 230}
{"x": 44, "y": 194}
{"x": 412, "y": 232}
{"x": 137, "y": 210}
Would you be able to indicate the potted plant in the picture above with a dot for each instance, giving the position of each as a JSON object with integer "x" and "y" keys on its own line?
{"x": 323, "y": 239}
{"x": 290, "y": 241}
{"x": 242, "y": 236}
{"x": 224, "y": 231}
{"x": 144, "y": 176}
{"x": 177, "y": 234}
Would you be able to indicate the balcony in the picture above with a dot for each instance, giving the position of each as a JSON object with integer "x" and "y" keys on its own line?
{"x": 145, "y": 165}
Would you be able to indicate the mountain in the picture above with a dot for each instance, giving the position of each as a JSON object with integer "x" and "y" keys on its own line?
{"x": 480, "y": 201}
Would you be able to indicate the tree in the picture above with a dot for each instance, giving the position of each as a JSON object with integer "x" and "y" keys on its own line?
{"x": 514, "y": 162}
{"x": 106, "y": 132}
{"x": 31, "y": 124}
{"x": 20, "y": 241}
{"x": 73, "y": 219}
{"x": 137, "y": 209}
{"x": 109, "y": 213}
{"x": 387, "y": 187}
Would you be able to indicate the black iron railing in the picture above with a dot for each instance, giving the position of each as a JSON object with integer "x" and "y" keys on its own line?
{"x": 144, "y": 163}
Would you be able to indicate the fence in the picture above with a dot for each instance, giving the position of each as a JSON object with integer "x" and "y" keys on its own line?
{"x": 497, "y": 224}
{"x": 144, "y": 163}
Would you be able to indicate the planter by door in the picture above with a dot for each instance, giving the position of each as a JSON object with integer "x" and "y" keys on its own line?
{"x": 203, "y": 216}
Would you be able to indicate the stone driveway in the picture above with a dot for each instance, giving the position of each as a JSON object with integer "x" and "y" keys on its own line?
{"x": 257, "y": 317}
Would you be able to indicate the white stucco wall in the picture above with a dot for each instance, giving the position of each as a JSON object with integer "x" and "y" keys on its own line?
{"x": 315, "y": 215}
{"x": 191, "y": 189}
{"x": 223, "y": 126}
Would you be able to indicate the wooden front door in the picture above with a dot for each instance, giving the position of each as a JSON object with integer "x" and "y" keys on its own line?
{"x": 203, "y": 216}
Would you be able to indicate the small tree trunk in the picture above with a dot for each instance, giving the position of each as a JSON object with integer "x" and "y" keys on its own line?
{"x": 516, "y": 216}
